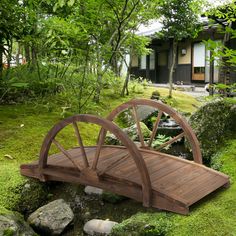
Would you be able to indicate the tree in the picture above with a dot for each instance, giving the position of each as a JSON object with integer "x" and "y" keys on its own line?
{"x": 10, "y": 27}
{"x": 180, "y": 20}
{"x": 225, "y": 17}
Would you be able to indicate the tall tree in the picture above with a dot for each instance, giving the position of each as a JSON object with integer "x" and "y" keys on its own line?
{"x": 180, "y": 19}
{"x": 10, "y": 27}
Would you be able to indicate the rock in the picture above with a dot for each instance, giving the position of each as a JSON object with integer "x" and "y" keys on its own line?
{"x": 99, "y": 227}
{"x": 111, "y": 139}
{"x": 145, "y": 111}
{"x": 52, "y": 218}
{"x": 13, "y": 224}
{"x": 93, "y": 190}
{"x": 133, "y": 134}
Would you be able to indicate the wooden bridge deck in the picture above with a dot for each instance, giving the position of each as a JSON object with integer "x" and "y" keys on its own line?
{"x": 176, "y": 184}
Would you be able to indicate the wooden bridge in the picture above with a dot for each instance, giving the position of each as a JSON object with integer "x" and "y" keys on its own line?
{"x": 157, "y": 179}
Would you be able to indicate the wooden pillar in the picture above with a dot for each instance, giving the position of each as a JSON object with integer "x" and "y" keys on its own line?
{"x": 211, "y": 77}
{"x": 148, "y": 67}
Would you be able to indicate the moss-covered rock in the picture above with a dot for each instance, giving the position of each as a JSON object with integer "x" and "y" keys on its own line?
{"x": 31, "y": 195}
{"x": 141, "y": 224}
{"x": 212, "y": 123}
{"x": 13, "y": 224}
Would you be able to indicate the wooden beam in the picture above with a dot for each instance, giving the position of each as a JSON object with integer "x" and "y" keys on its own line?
{"x": 67, "y": 154}
{"x": 77, "y": 133}
{"x": 154, "y": 130}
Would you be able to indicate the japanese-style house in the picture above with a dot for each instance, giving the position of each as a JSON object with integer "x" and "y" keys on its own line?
{"x": 192, "y": 61}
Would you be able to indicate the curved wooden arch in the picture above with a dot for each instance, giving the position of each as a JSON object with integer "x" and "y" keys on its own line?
{"x": 111, "y": 127}
{"x": 188, "y": 132}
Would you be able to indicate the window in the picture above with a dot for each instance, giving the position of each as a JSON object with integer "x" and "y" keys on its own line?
{"x": 152, "y": 61}
{"x": 143, "y": 62}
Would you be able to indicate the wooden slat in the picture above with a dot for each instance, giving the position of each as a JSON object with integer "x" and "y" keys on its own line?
{"x": 114, "y": 164}
{"x": 67, "y": 154}
{"x": 203, "y": 188}
{"x": 77, "y": 133}
{"x": 154, "y": 130}
{"x": 138, "y": 126}
{"x": 170, "y": 141}
{"x": 169, "y": 167}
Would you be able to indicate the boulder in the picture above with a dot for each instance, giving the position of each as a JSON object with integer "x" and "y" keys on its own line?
{"x": 14, "y": 224}
{"x": 52, "y": 218}
{"x": 99, "y": 227}
{"x": 131, "y": 132}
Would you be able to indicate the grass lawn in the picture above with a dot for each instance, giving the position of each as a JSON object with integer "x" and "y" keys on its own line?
{"x": 23, "y": 127}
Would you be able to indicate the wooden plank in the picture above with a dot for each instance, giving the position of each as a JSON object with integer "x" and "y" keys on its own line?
{"x": 186, "y": 178}
{"x": 204, "y": 188}
{"x": 114, "y": 164}
{"x": 169, "y": 167}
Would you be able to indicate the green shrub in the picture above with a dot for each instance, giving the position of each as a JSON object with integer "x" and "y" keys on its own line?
{"x": 213, "y": 123}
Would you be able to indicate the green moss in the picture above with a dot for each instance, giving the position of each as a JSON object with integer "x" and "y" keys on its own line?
{"x": 147, "y": 224}
{"x": 8, "y": 232}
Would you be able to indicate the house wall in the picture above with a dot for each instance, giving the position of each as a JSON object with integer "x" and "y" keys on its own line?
{"x": 184, "y": 59}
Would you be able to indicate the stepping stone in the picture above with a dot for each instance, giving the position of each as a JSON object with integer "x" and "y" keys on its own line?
{"x": 101, "y": 227}
{"x": 93, "y": 190}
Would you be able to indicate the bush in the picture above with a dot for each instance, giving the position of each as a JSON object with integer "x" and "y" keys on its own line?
{"x": 213, "y": 123}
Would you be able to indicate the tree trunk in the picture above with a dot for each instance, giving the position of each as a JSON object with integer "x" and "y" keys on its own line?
{"x": 18, "y": 54}
{"x": 174, "y": 45}
{"x": 27, "y": 53}
{"x": 125, "y": 86}
{"x": 98, "y": 88}
{"x": 1, "y": 58}
{"x": 222, "y": 67}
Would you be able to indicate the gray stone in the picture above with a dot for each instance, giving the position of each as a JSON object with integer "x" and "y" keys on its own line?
{"x": 99, "y": 227}
{"x": 93, "y": 190}
{"x": 52, "y": 218}
{"x": 13, "y": 224}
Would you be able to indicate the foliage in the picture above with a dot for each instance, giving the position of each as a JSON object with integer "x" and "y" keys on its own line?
{"x": 159, "y": 140}
{"x": 155, "y": 95}
{"x": 225, "y": 16}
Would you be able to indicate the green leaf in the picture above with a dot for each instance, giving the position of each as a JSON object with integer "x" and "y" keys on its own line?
{"x": 61, "y": 3}
{"x": 70, "y": 3}
{"x": 55, "y": 7}
{"x": 20, "y": 85}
